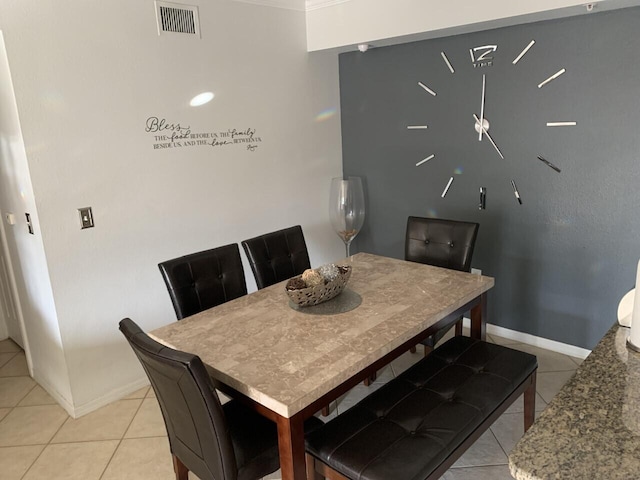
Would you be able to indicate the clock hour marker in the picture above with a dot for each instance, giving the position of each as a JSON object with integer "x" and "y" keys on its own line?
{"x": 515, "y": 192}
{"x": 561, "y": 124}
{"x": 427, "y": 88}
{"x": 446, "y": 60}
{"x": 483, "y": 198}
{"x": 522, "y": 54}
{"x": 548, "y": 163}
{"x": 425, "y": 160}
{"x": 446, "y": 189}
{"x": 552, "y": 77}
{"x": 472, "y": 57}
{"x": 417, "y": 127}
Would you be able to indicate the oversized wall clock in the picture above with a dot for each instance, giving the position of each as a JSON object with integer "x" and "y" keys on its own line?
{"x": 482, "y": 59}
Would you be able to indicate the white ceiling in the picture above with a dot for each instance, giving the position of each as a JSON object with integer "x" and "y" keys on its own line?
{"x": 353, "y": 20}
{"x": 300, "y": 5}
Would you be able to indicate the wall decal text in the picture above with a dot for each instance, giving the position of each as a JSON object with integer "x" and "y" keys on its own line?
{"x": 168, "y": 134}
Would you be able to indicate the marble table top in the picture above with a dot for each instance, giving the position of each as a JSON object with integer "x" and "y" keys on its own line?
{"x": 591, "y": 428}
{"x": 285, "y": 359}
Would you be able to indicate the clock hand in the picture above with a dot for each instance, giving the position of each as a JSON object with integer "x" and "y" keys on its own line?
{"x": 482, "y": 108}
{"x": 483, "y": 129}
{"x": 516, "y": 192}
{"x": 548, "y": 163}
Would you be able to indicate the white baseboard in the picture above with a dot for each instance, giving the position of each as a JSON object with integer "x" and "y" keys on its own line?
{"x": 62, "y": 401}
{"x": 110, "y": 397}
{"x": 78, "y": 411}
{"x": 558, "y": 347}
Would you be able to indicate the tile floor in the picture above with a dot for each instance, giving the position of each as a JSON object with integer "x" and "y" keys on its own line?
{"x": 127, "y": 439}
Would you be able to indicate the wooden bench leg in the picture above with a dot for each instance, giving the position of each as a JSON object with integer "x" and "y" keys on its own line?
{"x": 372, "y": 378}
{"x": 321, "y": 471}
{"x": 182, "y": 472}
{"x": 530, "y": 403}
{"x": 459, "y": 328}
{"x": 312, "y": 474}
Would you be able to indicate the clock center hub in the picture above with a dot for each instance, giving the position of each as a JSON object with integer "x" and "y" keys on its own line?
{"x": 485, "y": 124}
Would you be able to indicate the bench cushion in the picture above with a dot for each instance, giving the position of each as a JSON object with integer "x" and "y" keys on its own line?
{"x": 412, "y": 424}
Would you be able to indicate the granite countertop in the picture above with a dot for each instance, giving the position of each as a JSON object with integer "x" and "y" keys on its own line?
{"x": 591, "y": 428}
{"x": 285, "y": 359}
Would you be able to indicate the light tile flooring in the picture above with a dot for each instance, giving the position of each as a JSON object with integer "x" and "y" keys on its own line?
{"x": 127, "y": 439}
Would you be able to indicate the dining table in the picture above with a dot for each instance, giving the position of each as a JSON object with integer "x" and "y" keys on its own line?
{"x": 288, "y": 362}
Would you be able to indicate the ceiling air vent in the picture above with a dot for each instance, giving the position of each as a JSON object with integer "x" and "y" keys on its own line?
{"x": 177, "y": 18}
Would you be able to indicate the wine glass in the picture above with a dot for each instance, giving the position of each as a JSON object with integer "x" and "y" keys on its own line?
{"x": 346, "y": 208}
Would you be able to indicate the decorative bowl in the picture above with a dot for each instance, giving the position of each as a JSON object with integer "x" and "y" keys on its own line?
{"x": 309, "y": 296}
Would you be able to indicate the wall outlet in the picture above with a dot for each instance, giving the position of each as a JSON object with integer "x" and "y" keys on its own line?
{"x": 476, "y": 271}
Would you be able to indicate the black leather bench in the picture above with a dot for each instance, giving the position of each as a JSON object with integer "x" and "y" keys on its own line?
{"x": 416, "y": 426}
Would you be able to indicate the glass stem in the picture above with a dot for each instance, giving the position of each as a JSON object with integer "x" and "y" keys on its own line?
{"x": 348, "y": 245}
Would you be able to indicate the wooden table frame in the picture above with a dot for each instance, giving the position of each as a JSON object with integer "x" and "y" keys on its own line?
{"x": 291, "y": 430}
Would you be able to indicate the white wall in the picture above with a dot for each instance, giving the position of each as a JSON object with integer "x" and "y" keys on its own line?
{"x": 26, "y": 253}
{"x": 87, "y": 75}
{"x": 348, "y": 23}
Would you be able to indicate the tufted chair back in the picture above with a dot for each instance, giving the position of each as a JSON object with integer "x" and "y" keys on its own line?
{"x": 193, "y": 415}
{"x": 442, "y": 243}
{"x": 277, "y": 256}
{"x": 203, "y": 280}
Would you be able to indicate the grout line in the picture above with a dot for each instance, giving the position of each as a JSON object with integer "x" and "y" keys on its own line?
{"x": 45, "y": 445}
{"x": 574, "y": 360}
{"x": 53, "y": 444}
{"x": 477, "y": 467}
{"x": 34, "y": 460}
{"x": 17, "y": 405}
{"x": 15, "y": 354}
{"x": 148, "y": 394}
{"x": 559, "y": 371}
{"x": 121, "y": 438}
{"x": 480, "y": 466}
{"x": 143, "y": 437}
{"x": 11, "y": 409}
{"x": 58, "y": 430}
{"x": 499, "y": 444}
{"x": 133, "y": 417}
{"x": 25, "y": 395}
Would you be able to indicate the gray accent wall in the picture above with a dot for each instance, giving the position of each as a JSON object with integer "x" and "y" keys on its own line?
{"x": 564, "y": 258}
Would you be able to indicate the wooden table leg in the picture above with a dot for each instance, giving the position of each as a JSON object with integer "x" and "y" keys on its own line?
{"x": 530, "y": 403}
{"x": 479, "y": 319}
{"x": 291, "y": 448}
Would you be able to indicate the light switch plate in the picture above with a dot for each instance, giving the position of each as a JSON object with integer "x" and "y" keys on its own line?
{"x": 86, "y": 217}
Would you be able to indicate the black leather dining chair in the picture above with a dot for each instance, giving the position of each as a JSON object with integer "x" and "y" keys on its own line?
{"x": 442, "y": 243}
{"x": 203, "y": 280}
{"x": 277, "y": 256}
{"x": 214, "y": 441}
